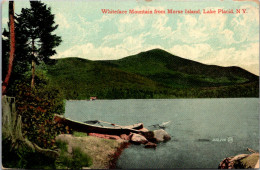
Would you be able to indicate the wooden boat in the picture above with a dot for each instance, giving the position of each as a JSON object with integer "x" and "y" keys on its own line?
{"x": 88, "y": 128}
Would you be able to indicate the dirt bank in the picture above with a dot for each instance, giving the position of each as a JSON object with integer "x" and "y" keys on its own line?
{"x": 104, "y": 152}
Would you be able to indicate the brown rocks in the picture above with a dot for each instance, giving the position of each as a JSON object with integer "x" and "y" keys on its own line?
{"x": 144, "y": 130}
{"x": 115, "y": 137}
{"x": 161, "y": 135}
{"x": 242, "y": 161}
{"x": 104, "y": 136}
{"x": 150, "y": 145}
{"x": 125, "y": 137}
{"x": 150, "y": 136}
{"x": 138, "y": 139}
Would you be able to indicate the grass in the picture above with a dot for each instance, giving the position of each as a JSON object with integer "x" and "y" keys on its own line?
{"x": 77, "y": 159}
{"x": 24, "y": 158}
{"x": 100, "y": 150}
{"x": 250, "y": 161}
{"x": 79, "y": 134}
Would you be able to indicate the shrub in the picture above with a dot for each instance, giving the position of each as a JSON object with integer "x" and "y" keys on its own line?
{"x": 23, "y": 157}
{"x": 80, "y": 159}
{"x": 37, "y": 107}
{"x": 76, "y": 160}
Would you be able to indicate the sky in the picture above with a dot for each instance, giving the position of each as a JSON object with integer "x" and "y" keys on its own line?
{"x": 217, "y": 39}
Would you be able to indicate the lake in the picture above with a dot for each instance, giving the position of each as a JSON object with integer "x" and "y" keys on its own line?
{"x": 203, "y": 131}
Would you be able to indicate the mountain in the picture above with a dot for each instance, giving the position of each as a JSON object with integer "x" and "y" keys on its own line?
{"x": 151, "y": 74}
{"x": 162, "y": 66}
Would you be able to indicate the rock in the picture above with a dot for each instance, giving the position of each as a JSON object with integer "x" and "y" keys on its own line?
{"x": 150, "y": 145}
{"x": 144, "y": 130}
{"x": 138, "y": 139}
{"x": 238, "y": 157}
{"x": 161, "y": 135}
{"x": 105, "y": 136}
{"x": 225, "y": 164}
{"x": 149, "y": 136}
{"x": 250, "y": 161}
{"x": 112, "y": 137}
{"x": 242, "y": 161}
{"x": 257, "y": 165}
{"x": 125, "y": 137}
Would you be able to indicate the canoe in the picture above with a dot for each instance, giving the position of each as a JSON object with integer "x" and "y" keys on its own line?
{"x": 88, "y": 128}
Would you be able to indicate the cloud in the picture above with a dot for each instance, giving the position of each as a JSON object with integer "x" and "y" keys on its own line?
{"x": 203, "y": 28}
{"x": 105, "y": 18}
{"x": 220, "y": 30}
{"x": 245, "y": 27}
{"x": 129, "y": 46}
{"x": 195, "y": 52}
{"x": 160, "y": 27}
{"x": 246, "y": 57}
{"x": 89, "y": 51}
{"x": 62, "y": 21}
{"x": 213, "y": 39}
{"x": 4, "y": 22}
{"x": 189, "y": 31}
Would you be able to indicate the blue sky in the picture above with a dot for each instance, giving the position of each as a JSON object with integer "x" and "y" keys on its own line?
{"x": 220, "y": 39}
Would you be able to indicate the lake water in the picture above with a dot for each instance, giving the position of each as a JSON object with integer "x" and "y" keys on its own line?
{"x": 203, "y": 131}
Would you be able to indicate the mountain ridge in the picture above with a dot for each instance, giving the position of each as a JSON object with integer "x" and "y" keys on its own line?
{"x": 173, "y": 60}
{"x": 151, "y": 74}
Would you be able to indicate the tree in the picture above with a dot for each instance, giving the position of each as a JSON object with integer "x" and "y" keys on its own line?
{"x": 21, "y": 65}
{"x": 37, "y": 24}
{"x": 5, "y": 52}
{"x": 12, "y": 46}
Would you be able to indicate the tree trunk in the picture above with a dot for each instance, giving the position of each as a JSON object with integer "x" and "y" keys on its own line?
{"x": 12, "y": 128}
{"x": 33, "y": 67}
{"x": 12, "y": 46}
{"x": 33, "y": 74}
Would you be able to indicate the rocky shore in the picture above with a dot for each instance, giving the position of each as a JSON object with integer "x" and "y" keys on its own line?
{"x": 105, "y": 149}
{"x": 241, "y": 161}
{"x": 148, "y": 138}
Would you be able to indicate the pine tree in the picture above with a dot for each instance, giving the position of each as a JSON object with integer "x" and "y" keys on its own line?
{"x": 37, "y": 24}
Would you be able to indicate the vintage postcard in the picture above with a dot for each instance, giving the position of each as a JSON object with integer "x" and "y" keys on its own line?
{"x": 135, "y": 84}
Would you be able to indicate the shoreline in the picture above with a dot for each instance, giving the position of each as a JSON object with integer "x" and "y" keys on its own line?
{"x": 104, "y": 152}
{"x": 117, "y": 154}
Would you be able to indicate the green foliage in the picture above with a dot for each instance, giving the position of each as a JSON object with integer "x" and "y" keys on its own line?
{"x": 5, "y": 52}
{"x": 37, "y": 24}
{"x": 76, "y": 160}
{"x": 159, "y": 61}
{"x": 152, "y": 74}
{"x": 33, "y": 35}
{"x": 62, "y": 146}
{"x": 21, "y": 64}
{"x": 79, "y": 134}
{"x": 79, "y": 159}
{"x": 37, "y": 108}
{"x": 23, "y": 157}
